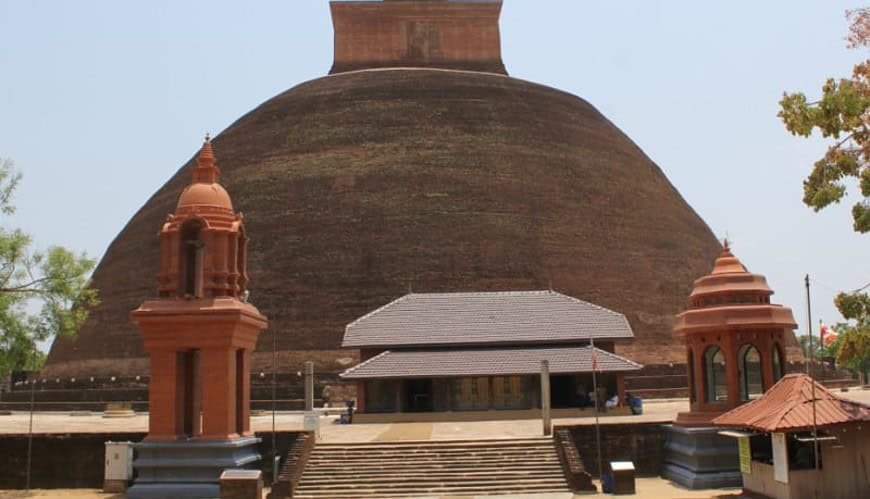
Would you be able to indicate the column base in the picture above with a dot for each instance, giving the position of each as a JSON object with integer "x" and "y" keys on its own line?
{"x": 188, "y": 469}
{"x": 700, "y": 458}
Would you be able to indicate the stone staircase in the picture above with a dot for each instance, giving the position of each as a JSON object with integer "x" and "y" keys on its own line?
{"x": 432, "y": 468}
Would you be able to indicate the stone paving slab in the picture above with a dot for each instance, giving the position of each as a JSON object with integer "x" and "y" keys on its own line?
{"x": 648, "y": 488}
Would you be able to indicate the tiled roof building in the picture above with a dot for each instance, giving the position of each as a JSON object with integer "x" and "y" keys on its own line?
{"x": 467, "y": 352}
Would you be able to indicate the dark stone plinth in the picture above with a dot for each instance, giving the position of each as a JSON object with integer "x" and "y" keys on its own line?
{"x": 188, "y": 469}
{"x": 700, "y": 458}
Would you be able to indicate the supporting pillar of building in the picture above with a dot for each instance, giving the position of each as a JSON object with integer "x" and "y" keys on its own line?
{"x": 545, "y": 397}
{"x": 361, "y": 396}
{"x": 620, "y": 389}
{"x": 309, "y": 385}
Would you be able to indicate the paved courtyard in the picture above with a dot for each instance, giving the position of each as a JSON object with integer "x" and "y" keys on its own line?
{"x": 649, "y": 487}
{"x": 655, "y": 411}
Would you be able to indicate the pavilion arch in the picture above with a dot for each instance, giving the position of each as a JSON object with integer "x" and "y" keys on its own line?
{"x": 750, "y": 377}
{"x": 715, "y": 377}
{"x": 776, "y": 361}
{"x": 190, "y": 262}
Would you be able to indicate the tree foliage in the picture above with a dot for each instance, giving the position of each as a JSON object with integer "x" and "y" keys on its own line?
{"x": 42, "y": 294}
{"x": 841, "y": 114}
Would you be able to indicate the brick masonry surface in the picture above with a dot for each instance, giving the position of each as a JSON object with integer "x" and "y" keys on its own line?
{"x": 641, "y": 443}
{"x": 73, "y": 461}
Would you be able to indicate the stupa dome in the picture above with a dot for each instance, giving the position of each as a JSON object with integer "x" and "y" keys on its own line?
{"x": 358, "y": 185}
{"x": 447, "y": 176}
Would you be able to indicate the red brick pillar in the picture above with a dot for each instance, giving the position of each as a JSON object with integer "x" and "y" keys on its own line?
{"x": 360, "y": 396}
{"x": 732, "y": 373}
{"x": 218, "y": 393}
{"x": 163, "y": 418}
{"x": 243, "y": 389}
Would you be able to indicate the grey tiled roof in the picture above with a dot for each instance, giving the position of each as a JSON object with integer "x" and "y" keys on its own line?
{"x": 485, "y": 362}
{"x": 485, "y": 318}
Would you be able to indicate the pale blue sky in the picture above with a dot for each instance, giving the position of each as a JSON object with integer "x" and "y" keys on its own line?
{"x": 102, "y": 101}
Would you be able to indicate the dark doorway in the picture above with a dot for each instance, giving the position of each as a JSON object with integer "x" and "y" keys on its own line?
{"x": 562, "y": 391}
{"x": 189, "y": 393}
{"x": 418, "y": 395}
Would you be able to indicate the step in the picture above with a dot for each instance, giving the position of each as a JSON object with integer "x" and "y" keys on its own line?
{"x": 493, "y": 442}
{"x": 424, "y": 455}
{"x": 334, "y": 493}
{"x": 424, "y": 488}
{"x": 442, "y": 465}
{"x": 432, "y": 468}
{"x": 520, "y": 463}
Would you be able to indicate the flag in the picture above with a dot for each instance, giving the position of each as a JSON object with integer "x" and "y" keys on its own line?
{"x": 594, "y": 361}
{"x": 824, "y": 330}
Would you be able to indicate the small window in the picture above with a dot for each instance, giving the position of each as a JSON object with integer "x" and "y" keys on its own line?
{"x": 714, "y": 375}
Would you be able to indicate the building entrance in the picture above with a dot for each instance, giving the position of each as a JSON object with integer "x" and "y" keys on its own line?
{"x": 562, "y": 390}
{"x": 418, "y": 395}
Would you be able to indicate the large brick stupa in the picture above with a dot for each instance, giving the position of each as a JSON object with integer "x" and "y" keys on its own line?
{"x": 419, "y": 163}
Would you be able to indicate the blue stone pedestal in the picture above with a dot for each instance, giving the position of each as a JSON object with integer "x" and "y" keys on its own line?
{"x": 700, "y": 458}
{"x": 188, "y": 469}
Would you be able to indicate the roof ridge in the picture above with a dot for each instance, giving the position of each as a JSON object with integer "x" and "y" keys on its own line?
{"x": 614, "y": 355}
{"x": 480, "y": 293}
{"x": 379, "y": 309}
{"x": 605, "y": 309}
{"x": 354, "y": 368}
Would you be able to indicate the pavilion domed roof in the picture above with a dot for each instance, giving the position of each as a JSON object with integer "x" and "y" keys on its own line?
{"x": 730, "y": 279}
{"x": 204, "y": 190}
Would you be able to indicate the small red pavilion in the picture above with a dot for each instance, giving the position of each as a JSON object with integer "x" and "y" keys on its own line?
{"x": 735, "y": 351}
{"x": 200, "y": 332}
{"x": 735, "y": 339}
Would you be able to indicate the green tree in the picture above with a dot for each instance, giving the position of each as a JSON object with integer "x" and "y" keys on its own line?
{"x": 42, "y": 294}
{"x": 841, "y": 114}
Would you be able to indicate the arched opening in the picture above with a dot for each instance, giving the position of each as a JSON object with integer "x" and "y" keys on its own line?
{"x": 715, "y": 380}
{"x": 190, "y": 259}
{"x": 749, "y": 368}
{"x": 691, "y": 369}
{"x": 777, "y": 363}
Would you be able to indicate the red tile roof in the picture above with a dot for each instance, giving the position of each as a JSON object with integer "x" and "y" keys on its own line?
{"x": 788, "y": 407}
{"x": 486, "y": 362}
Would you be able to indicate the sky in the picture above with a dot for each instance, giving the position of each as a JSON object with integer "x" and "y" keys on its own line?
{"x": 102, "y": 101}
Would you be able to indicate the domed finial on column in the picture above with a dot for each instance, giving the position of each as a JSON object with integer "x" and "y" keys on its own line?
{"x": 205, "y": 170}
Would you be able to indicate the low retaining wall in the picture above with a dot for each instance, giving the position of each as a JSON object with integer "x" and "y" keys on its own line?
{"x": 641, "y": 443}
{"x": 76, "y": 460}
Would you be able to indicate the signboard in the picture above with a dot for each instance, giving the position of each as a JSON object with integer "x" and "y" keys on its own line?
{"x": 745, "y": 455}
{"x": 780, "y": 457}
{"x": 311, "y": 422}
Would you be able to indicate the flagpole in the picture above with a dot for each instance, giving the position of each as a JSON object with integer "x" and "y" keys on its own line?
{"x": 812, "y": 380}
{"x": 597, "y": 429}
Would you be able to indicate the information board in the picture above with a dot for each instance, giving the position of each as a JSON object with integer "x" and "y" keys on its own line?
{"x": 780, "y": 457}
{"x": 745, "y": 455}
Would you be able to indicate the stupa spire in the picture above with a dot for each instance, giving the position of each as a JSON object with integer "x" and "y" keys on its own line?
{"x": 205, "y": 170}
